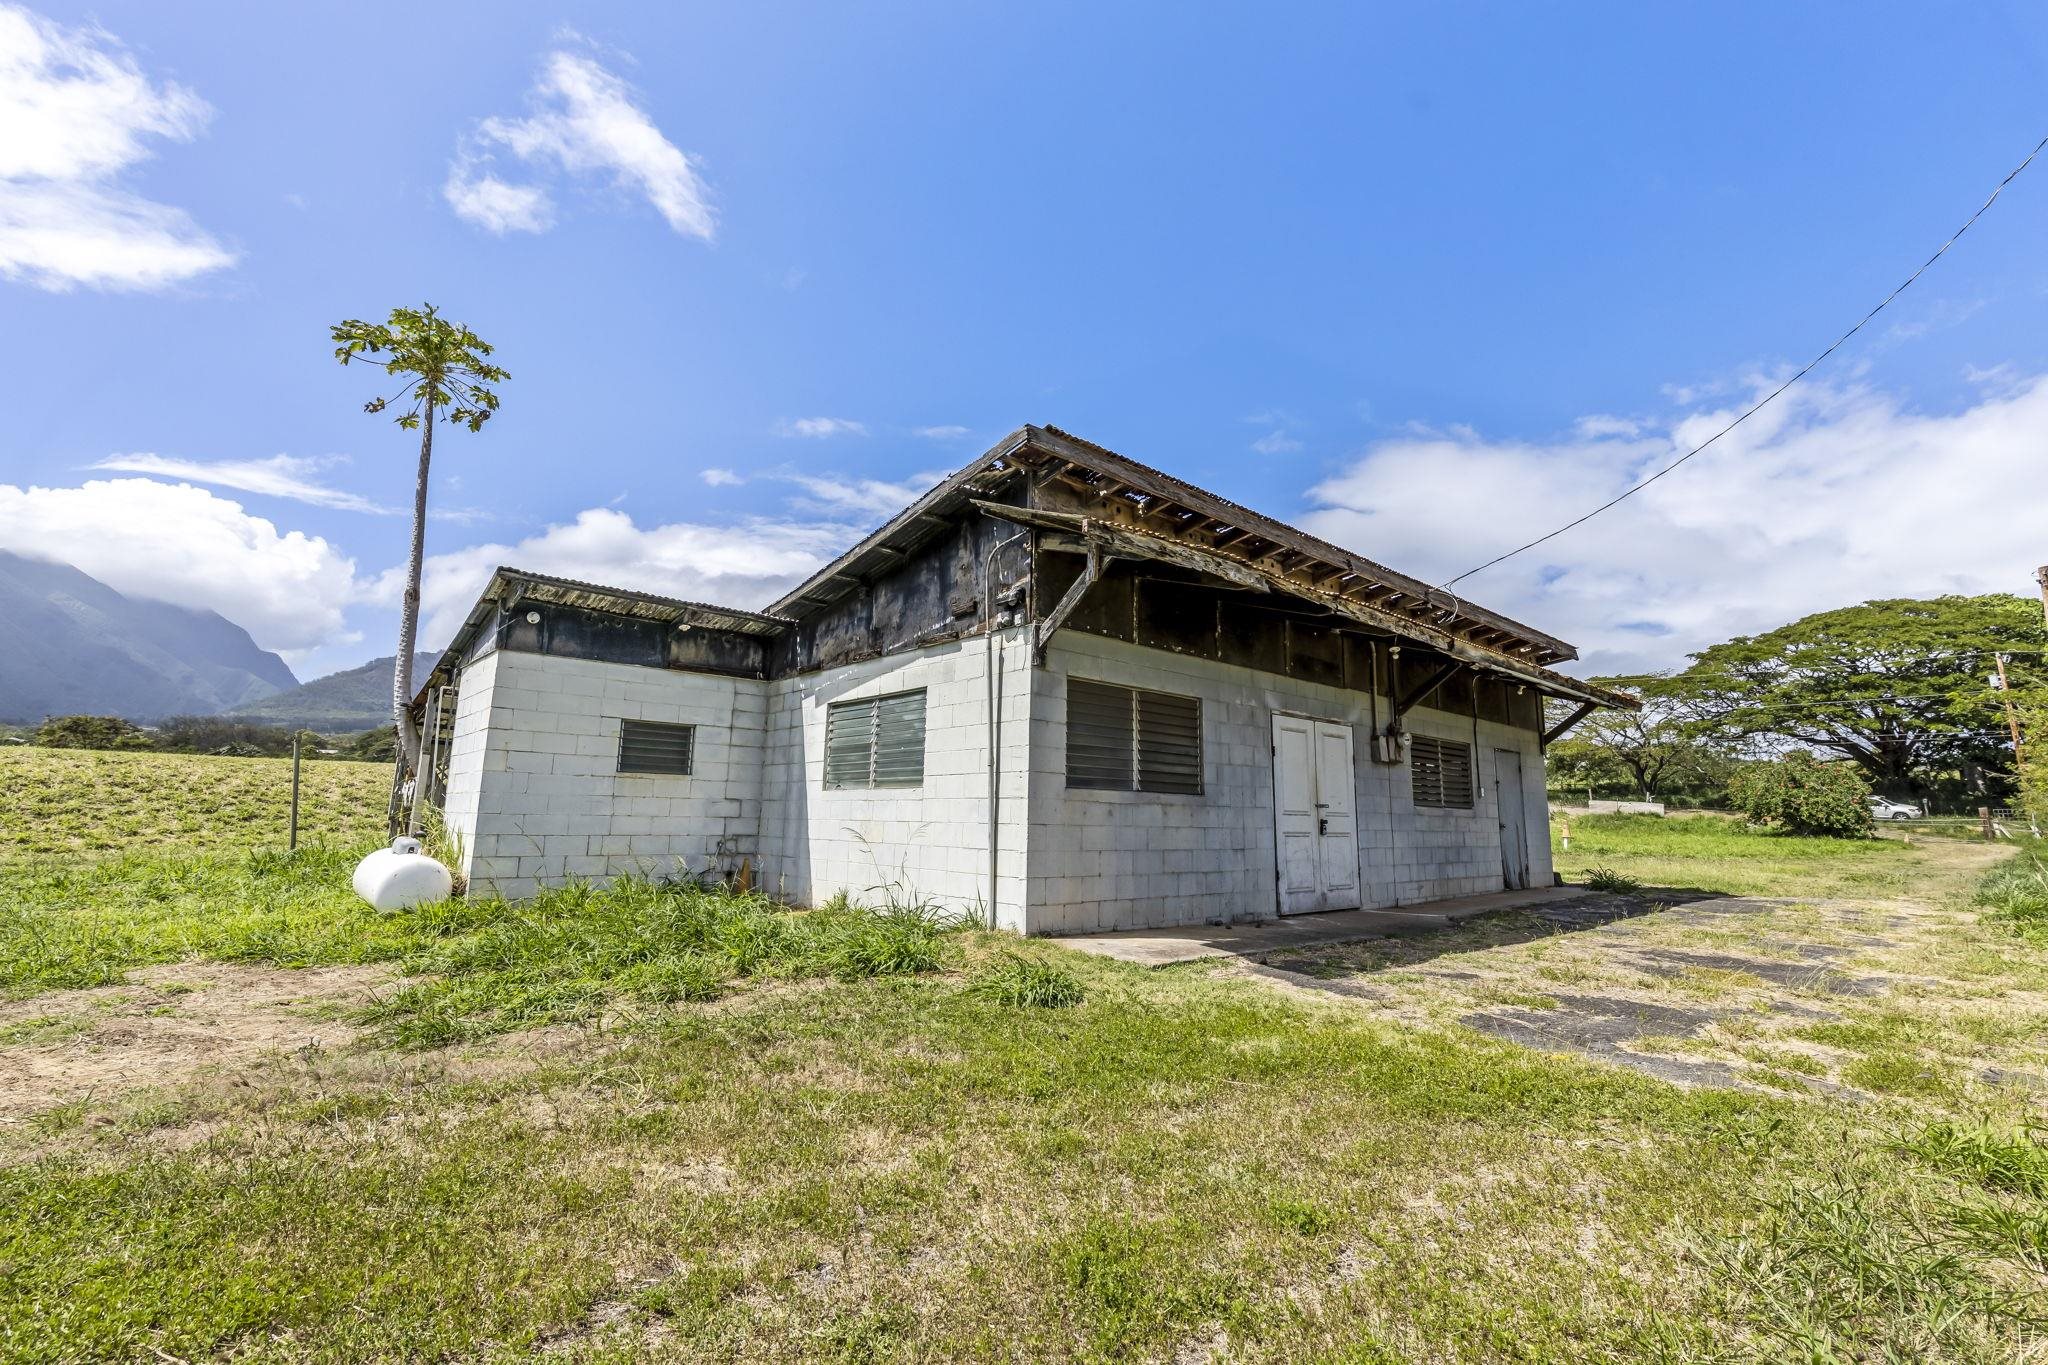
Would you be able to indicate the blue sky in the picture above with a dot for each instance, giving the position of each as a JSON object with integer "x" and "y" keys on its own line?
{"x": 1419, "y": 277}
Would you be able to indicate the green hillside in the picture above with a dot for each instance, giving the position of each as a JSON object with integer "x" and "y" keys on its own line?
{"x": 357, "y": 699}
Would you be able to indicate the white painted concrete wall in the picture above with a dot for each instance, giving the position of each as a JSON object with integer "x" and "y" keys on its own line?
{"x": 534, "y": 787}
{"x": 1121, "y": 860}
{"x": 535, "y": 795}
{"x": 466, "y": 745}
{"x": 917, "y": 843}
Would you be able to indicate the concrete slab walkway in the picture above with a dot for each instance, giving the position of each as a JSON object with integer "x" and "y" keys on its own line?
{"x": 1189, "y": 942}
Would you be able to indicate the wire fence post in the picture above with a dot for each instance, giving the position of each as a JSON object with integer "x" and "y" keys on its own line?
{"x": 295, "y": 791}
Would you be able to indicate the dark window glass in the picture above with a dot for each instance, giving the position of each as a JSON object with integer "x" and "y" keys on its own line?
{"x": 1129, "y": 739}
{"x": 647, "y": 746}
{"x": 875, "y": 742}
{"x": 1440, "y": 771}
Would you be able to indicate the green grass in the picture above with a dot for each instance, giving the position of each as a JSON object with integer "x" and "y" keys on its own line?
{"x": 1026, "y": 982}
{"x": 1717, "y": 853}
{"x": 845, "y": 1135}
{"x": 2015, "y": 893}
{"x": 69, "y": 923}
{"x": 75, "y": 801}
{"x": 578, "y": 952}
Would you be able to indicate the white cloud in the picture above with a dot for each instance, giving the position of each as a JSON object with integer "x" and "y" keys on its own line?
{"x": 721, "y": 478}
{"x": 494, "y": 204}
{"x": 1832, "y": 495}
{"x": 181, "y": 544}
{"x": 75, "y": 112}
{"x": 1598, "y": 424}
{"x": 280, "y": 476}
{"x": 585, "y": 121}
{"x": 744, "y": 565}
{"x": 945, "y": 433}
{"x": 869, "y": 498}
{"x": 817, "y": 428}
{"x": 1276, "y": 443}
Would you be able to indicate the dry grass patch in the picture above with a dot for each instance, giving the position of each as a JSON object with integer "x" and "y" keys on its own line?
{"x": 167, "y": 1025}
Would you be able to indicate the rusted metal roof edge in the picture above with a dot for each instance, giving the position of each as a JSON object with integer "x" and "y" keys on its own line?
{"x": 553, "y": 588}
{"x": 1080, "y": 450}
{"x": 941, "y": 494}
{"x": 1131, "y": 541}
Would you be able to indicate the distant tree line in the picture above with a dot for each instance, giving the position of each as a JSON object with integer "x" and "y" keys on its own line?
{"x": 1904, "y": 692}
{"x": 209, "y": 735}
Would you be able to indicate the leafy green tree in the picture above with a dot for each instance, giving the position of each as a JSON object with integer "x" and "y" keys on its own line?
{"x": 1581, "y": 764}
{"x": 443, "y": 374}
{"x": 91, "y": 732}
{"x": 1658, "y": 746}
{"x": 1901, "y": 687}
{"x": 222, "y": 735}
{"x": 1803, "y": 795}
{"x": 374, "y": 746}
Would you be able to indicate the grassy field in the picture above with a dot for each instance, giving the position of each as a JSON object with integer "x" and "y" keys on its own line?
{"x": 79, "y": 801}
{"x": 655, "y": 1124}
{"x": 1722, "y": 853}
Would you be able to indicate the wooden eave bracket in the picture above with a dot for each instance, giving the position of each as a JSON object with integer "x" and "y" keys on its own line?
{"x": 1090, "y": 573}
{"x": 1420, "y": 692}
{"x": 1556, "y": 732}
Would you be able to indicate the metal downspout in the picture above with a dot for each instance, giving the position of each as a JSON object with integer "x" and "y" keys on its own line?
{"x": 995, "y": 710}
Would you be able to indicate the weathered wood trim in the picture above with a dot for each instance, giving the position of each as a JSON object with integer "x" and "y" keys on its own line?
{"x": 1557, "y": 731}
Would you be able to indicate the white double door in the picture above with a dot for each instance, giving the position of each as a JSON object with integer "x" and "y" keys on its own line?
{"x": 1315, "y": 815}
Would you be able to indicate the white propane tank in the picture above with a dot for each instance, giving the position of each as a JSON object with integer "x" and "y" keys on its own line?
{"x": 400, "y": 877}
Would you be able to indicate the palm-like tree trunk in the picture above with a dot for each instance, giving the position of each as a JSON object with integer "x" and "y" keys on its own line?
{"x": 409, "y": 611}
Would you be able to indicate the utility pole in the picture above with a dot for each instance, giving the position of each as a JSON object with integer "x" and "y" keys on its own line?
{"x": 2012, "y": 720}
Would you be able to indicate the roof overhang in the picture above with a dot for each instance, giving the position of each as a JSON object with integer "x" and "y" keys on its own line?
{"x": 510, "y": 588}
{"x": 1124, "y": 542}
{"x": 1123, "y": 493}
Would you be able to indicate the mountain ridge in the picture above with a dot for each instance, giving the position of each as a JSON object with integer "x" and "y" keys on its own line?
{"x": 356, "y": 698}
{"x": 70, "y": 644}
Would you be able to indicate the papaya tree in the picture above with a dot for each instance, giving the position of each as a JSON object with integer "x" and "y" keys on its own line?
{"x": 442, "y": 372}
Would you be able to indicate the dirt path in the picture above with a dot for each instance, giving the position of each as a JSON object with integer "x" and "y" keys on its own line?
{"x": 1906, "y": 996}
{"x": 166, "y": 1025}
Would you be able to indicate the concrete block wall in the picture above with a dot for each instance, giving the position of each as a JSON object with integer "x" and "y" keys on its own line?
{"x": 547, "y": 802}
{"x": 920, "y": 843}
{"x": 1124, "y": 860}
{"x": 466, "y": 745}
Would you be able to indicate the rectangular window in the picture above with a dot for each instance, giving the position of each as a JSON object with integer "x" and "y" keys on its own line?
{"x": 647, "y": 746}
{"x": 1128, "y": 739}
{"x": 875, "y": 742}
{"x": 1441, "y": 772}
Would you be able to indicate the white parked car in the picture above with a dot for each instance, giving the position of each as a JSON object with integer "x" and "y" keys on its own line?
{"x": 1881, "y": 809}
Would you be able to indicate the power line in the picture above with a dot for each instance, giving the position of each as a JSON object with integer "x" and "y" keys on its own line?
{"x": 1761, "y": 403}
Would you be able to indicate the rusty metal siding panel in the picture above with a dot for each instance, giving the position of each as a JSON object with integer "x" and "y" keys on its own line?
{"x": 571, "y": 632}
{"x": 1315, "y": 653}
{"x": 1176, "y": 616}
{"x": 1252, "y": 637}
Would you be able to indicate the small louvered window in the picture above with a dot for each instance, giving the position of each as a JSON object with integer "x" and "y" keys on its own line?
{"x": 1441, "y": 772}
{"x": 647, "y": 746}
{"x": 875, "y": 742}
{"x": 1128, "y": 739}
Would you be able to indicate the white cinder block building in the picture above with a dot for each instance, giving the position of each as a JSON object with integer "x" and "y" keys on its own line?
{"x": 1061, "y": 690}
